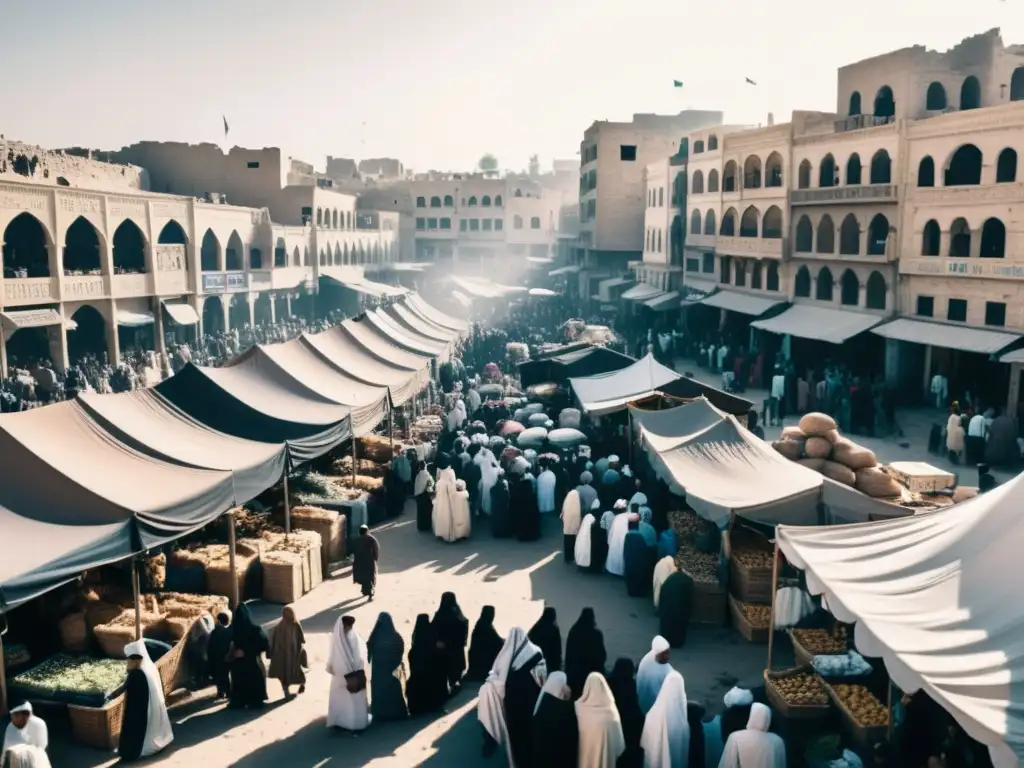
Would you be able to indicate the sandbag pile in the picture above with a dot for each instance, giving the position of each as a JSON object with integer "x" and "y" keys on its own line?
{"x": 817, "y": 445}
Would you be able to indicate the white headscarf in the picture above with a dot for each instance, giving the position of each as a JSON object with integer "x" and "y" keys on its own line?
{"x": 601, "y": 741}
{"x": 651, "y": 674}
{"x": 581, "y": 554}
{"x": 556, "y": 685}
{"x": 754, "y": 747}
{"x": 666, "y": 736}
{"x": 490, "y": 710}
{"x": 26, "y": 756}
{"x": 571, "y": 513}
{"x": 516, "y": 651}
{"x": 158, "y": 724}
{"x": 34, "y": 734}
{"x": 347, "y": 653}
{"x": 665, "y": 568}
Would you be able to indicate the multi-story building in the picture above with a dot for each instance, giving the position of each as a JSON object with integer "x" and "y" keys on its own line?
{"x": 95, "y": 261}
{"x": 614, "y": 158}
{"x": 658, "y": 273}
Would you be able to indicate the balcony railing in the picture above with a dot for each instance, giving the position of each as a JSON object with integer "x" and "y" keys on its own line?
{"x": 225, "y": 282}
{"x": 760, "y": 247}
{"x": 870, "y": 193}
{"x": 29, "y": 290}
{"x": 858, "y": 122}
{"x": 935, "y": 266}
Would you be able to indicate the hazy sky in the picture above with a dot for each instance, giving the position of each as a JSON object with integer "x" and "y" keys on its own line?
{"x": 436, "y": 83}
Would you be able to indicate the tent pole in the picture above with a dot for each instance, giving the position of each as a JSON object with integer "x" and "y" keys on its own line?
{"x": 3, "y": 680}
{"x": 629, "y": 434}
{"x": 136, "y": 594}
{"x": 771, "y": 615}
{"x": 231, "y": 562}
{"x": 888, "y": 735}
{"x": 391, "y": 429}
{"x": 287, "y": 501}
{"x": 354, "y": 458}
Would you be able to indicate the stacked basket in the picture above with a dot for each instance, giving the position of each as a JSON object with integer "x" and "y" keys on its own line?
{"x": 750, "y": 582}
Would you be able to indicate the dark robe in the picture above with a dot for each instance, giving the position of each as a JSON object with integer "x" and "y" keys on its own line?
{"x": 395, "y": 493}
{"x": 555, "y": 734}
{"x": 248, "y": 673}
{"x": 521, "y": 692}
{"x": 675, "y": 604}
{"x": 385, "y": 650}
{"x": 501, "y": 518}
{"x": 695, "y": 718}
{"x": 598, "y": 546}
{"x": 622, "y": 681}
{"x": 525, "y": 513}
{"x": 136, "y": 716}
{"x": 452, "y": 629}
{"x": 584, "y": 653}
{"x": 364, "y": 563}
{"x": 424, "y": 510}
{"x": 484, "y": 646}
{"x": 639, "y": 564}
{"x": 546, "y": 635}
{"x": 217, "y": 657}
{"x": 472, "y": 476}
{"x": 427, "y": 688}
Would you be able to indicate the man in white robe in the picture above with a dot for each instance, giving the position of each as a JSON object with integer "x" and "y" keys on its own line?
{"x": 651, "y": 673}
{"x": 570, "y": 524}
{"x": 474, "y": 400}
{"x": 158, "y": 725}
{"x": 348, "y": 706}
{"x": 616, "y": 562}
{"x": 450, "y": 517}
{"x": 489, "y": 474}
{"x": 25, "y": 728}
{"x": 546, "y": 492}
{"x": 666, "y": 735}
{"x": 754, "y": 747}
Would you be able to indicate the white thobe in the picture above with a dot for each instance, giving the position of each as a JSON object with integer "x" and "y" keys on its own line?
{"x": 754, "y": 747}
{"x": 666, "y": 734}
{"x": 546, "y": 492}
{"x": 581, "y": 554}
{"x": 34, "y": 733}
{"x": 571, "y": 513}
{"x": 649, "y": 676}
{"x": 350, "y": 711}
{"x": 616, "y": 562}
{"x": 450, "y": 517}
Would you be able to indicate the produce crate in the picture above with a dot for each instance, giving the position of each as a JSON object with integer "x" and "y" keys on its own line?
{"x": 709, "y": 604}
{"x": 788, "y": 709}
{"x": 803, "y": 655}
{"x": 282, "y": 577}
{"x": 751, "y": 633}
{"x": 750, "y": 585}
{"x": 865, "y": 736}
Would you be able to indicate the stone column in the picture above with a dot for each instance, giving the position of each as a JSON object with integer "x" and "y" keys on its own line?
{"x": 1013, "y": 392}
{"x": 273, "y": 308}
{"x": 892, "y": 363}
{"x": 288, "y": 304}
{"x": 113, "y": 339}
{"x": 57, "y": 335}
{"x": 3, "y": 355}
{"x": 158, "y": 327}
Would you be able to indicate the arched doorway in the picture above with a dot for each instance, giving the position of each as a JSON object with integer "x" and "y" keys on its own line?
{"x": 749, "y": 222}
{"x": 881, "y": 168}
{"x": 827, "y": 172}
{"x": 709, "y": 222}
{"x": 25, "y": 248}
{"x": 849, "y": 236}
{"x": 935, "y": 99}
{"x": 826, "y": 240}
{"x": 802, "y": 283}
{"x": 209, "y": 253}
{"x": 88, "y": 339}
{"x": 280, "y": 253}
{"x": 849, "y": 289}
{"x": 804, "y": 235}
{"x": 233, "y": 254}
{"x": 262, "y": 311}
{"x": 82, "y": 248}
{"x": 878, "y": 234}
{"x": 854, "y": 108}
{"x": 853, "y": 170}
{"x": 931, "y": 236}
{"x": 993, "y": 239}
{"x": 129, "y": 249}
{"x": 885, "y": 103}
{"x": 823, "y": 290}
{"x": 213, "y": 315}
{"x": 771, "y": 226}
{"x": 960, "y": 239}
{"x": 238, "y": 311}
{"x": 875, "y": 293}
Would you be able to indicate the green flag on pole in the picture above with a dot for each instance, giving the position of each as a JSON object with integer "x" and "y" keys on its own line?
{"x": 677, "y": 83}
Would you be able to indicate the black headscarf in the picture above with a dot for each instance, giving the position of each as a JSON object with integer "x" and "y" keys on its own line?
{"x": 584, "y": 651}
{"x": 246, "y": 633}
{"x": 622, "y": 681}
{"x": 484, "y": 645}
{"x": 452, "y": 628}
{"x": 548, "y": 637}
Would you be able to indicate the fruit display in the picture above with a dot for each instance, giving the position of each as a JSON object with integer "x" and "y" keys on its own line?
{"x": 759, "y": 616}
{"x": 821, "y": 642}
{"x": 753, "y": 558}
{"x": 701, "y": 567}
{"x": 73, "y": 675}
{"x": 866, "y": 709}
{"x": 801, "y": 689}
{"x": 686, "y": 524}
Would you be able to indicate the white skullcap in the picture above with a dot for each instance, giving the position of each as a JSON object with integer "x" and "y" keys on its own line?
{"x": 620, "y": 504}
{"x": 613, "y": 459}
{"x": 738, "y": 697}
{"x": 659, "y": 645}
{"x": 24, "y": 707}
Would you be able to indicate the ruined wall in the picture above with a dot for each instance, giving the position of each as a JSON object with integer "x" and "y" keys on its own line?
{"x": 70, "y": 168}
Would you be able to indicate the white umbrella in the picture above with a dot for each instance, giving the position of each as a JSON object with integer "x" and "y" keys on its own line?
{"x": 566, "y": 436}
{"x": 534, "y": 436}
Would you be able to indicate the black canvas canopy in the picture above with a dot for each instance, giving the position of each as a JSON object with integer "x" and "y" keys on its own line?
{"x": 688, "y": 389}
{"x": 572, "y": 362}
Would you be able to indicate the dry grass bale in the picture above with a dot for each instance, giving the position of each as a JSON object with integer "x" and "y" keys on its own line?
{"x": 817, "y": 424}
{"x": 183, "y": 558}
{"x": 793, "y": 433}
{"x": 815, "y": 464}
{"x": 838, "y": 472}
{"x": 854, "y": 456}
{"x": 963, "y": 493}
{"x": 343, "y": 466}
{"x": 375, "y": 448}
{"x": 326, "y": 522}
{"x": 100, "y": 612}
{"x": 876, "y": 483}
{"x": 817, "y": 448}
{"x": 791, "y": 449}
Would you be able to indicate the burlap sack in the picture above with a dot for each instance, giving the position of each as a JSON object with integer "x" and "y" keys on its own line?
{"x": 876, "y": 483}
{"x": 834, "y": 437}
{"x": 854, "y": 456}
{"x": 793, "y": 433}
{"x": 817, "y": 448}
{"x": 815, "y": 464}
{"x": 838, "y": 472}
{"x": 791, "y": 449}
{"x": 817, "y": 424}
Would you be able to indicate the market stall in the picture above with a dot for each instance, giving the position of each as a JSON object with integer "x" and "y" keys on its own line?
{"x": 572, "y": 361}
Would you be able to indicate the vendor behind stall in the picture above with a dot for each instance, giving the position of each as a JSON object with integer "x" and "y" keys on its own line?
{"x": 25, "y": 728}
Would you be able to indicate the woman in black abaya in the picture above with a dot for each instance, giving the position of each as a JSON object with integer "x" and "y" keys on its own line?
{"x": 584, "y": 651}
{"x": 249, "y": 642}
{"x": 622, "y": 681}
{"x": 452, "y": 630}
{"x": 555, "y": 730}
{"x": 525, "y": 512}
{"x": 483, "y": 646}
{"x": 501, "y": 521}
{"x": 427, "y": 688}
{"x": 546, "y": 635}
{"x": 423, "y": 488}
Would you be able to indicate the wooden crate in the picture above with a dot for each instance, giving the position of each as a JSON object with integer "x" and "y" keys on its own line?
{"x": 751, "y": 633}
{"x": 787, "y": 709}
{"x": 865, "y": 736}
{"x": 709, "y": 604}
{"x": 750, "y": 585}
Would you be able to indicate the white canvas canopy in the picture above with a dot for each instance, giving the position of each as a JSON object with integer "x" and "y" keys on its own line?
{"x": 937, "y": 597}
{"x": 610, "y": 392}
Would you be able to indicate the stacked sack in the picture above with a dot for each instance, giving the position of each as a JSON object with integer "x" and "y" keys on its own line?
{"x": 817, "y": 445}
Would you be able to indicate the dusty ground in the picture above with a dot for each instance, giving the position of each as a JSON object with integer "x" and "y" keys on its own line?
{"x": 518, "y": 579}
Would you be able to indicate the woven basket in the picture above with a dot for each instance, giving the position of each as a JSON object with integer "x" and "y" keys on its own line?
{"x": 220, "y": 580}
{"x": 113, "y": 638}
{"x": 784, "y": 707}
{"x": 178, "y": 627}
{"x": 750, "y": 632}
{"x": 101, "y": 612}
{"x": 865, "y": 736}
{"x": 332, "y": 527}
{"x": 282, "y": 577}
{"x": 74, "y": 632}
{"x": 97, "y": 727}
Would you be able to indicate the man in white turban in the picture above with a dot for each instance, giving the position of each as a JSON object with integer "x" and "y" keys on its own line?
{"x": 754, "y": 746}
{"x": 716, "y": 731}
{"x": 616, "y": 562}
{"x": 25, "y": 728}
{"x": 651, "y": 673}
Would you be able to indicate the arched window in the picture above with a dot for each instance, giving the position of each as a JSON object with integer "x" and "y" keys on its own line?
{"x": 709, "y": 222}
{"x": 773, "y": 170}
{"x": 772, "y": 281}
{"x": 421, "y": 202}
{"x": 823, "y": 289}
{"x": 827, "y": 172}
{"x": 741, "y": 273}
{"x": 853, "y": 170}
{"x": 659, "y": 242}
{"x": 935, "y": 100}
{"x": 130, "y": 248}
{"x": 878, "y": 234}
{"x": 748, "y": 222}
{"x": 209, "y": 252}
{"x": 729, "y": 177}
{"x": 334, "y": 218}
{"x": 849, "y": 289}
{"x": 728, "y": 228}
{"x": 713, "y": 180}
{"x": 296, "y": 257}
{"x": 804, "y": 175}
{"x": 698, "y": 183}
{"x": 874, "y": 296}
{"x": 849, "y": 236}
{"x": 881, "y": 168}
{"x": 498, "y": 202}
{"x": 804, "y": 235}
{"x": 517, "y": 222}
{"x": 930, "y": 238}
{"x": 485, "y": 201}
{"x": 81, "y": 248}
{"x": 1017, "y": 85}
{"x": 854, "y": 104}
{"x": 698, "y": 146}
{"x": 472, "y": 202}
{"x": 713, "y": 142}
{"x": 802, "y": 283}
{"x": 964, "y": 167}
{"x": 695, "y": 222}
{"x": 926, "y": 172}
{"x": 960, "y": 239}
{"x": 752, "y": 172}
{"x": 826, "y": 241}
{"x": 755, "y": 275}
{"x": 993, "y": 239}
{"x": 319, "y": 217}
{"x": 885, "y": 104}
{"x": 1006, "y": 166}
{"x": 255, "y": 258}
{"x": 771, "y": 226}
{"x": 449, "y": 201}
{"x": 435, "y": 202}
{"x": 970, "y": 94}
{"x": 535, "y": 222}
